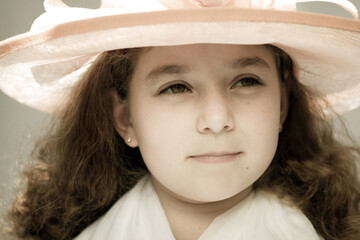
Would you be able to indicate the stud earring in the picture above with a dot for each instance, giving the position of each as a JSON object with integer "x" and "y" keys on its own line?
{"x": 128, "y": 140}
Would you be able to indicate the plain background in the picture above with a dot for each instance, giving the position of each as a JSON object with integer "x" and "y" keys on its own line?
{"x": 20, "y": 125}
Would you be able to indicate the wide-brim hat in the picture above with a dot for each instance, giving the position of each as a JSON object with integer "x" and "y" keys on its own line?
{"x": 38, "y": 68}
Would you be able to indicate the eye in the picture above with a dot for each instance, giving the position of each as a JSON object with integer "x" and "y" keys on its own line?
{"x": 175, "y": 89}
{"x": 247, "y": 81}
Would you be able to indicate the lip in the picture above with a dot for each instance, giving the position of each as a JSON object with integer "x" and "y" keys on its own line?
{"x": 216, "y": 157}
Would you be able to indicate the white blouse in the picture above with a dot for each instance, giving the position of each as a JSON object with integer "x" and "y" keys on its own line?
{"x": 139, "y": 215}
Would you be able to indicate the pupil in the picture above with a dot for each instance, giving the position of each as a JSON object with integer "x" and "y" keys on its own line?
{"x": 248, "y": 81}
{"x": 178, "y": 88}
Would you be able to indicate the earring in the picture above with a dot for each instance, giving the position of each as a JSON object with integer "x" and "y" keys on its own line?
{"x": 128, "y": 140}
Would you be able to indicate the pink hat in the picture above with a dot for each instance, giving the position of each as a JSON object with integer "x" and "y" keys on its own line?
{"x": 38, "y": 68}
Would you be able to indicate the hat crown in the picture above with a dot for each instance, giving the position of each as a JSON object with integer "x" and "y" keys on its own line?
{"x": 154, "y": 5}
{"x": 179, "y": 4}
{"x": 174, "y": 4}
{"x": 210, "y": 3}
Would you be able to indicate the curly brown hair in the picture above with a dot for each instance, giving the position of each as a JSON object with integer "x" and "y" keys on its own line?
{"x": 82, "y": 166}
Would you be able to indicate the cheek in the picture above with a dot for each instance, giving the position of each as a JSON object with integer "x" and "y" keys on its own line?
{"x": 161, "y": 132}
{"x": 265, "y": 120}
{"x": 261, "y": 129}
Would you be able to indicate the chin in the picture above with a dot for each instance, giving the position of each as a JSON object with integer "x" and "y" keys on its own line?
{"x": 218, "y": 194}
{"x": 222, "y": 189}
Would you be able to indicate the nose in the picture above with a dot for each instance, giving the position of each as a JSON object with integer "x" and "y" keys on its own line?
{"x": 215, "y": 113}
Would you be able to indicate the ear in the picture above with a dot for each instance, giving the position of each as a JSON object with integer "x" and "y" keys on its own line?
{"x": 284, "y": 103}
{"x": 122, "y": 120}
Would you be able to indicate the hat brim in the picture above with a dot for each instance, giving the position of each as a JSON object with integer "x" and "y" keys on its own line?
{"x": 39, "y": 68}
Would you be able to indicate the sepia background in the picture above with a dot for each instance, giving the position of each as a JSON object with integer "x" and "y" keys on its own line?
{"x": 21, "y": 125}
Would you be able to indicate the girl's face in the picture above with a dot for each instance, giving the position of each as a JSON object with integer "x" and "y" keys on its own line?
{"x": 206, "y": 117}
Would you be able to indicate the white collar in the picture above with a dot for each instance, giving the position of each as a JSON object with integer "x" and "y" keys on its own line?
{"x": 139, "y": 215}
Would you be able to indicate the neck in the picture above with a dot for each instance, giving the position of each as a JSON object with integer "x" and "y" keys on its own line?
{"x": 189, "y": 219}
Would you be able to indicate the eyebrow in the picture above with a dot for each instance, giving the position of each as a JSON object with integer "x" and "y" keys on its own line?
{"x": 180, "y": 69}
{"x": 248, "y": 62}
{"x": 167, "y": 69}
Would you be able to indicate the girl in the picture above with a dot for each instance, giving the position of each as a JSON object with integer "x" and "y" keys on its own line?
{"x": 162, "y": 131}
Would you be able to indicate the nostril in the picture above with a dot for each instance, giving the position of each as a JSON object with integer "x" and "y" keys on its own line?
{"x": 227, "y": 128}
{"x": 216, "y": 129}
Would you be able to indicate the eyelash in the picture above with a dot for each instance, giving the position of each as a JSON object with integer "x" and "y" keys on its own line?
{"x": 254, "y": 83}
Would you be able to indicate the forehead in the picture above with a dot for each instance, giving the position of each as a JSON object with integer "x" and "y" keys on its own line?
{"x": 203, "y": 54}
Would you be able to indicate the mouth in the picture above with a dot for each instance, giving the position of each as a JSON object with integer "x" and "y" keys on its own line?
{"x": 216, "y": 157}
